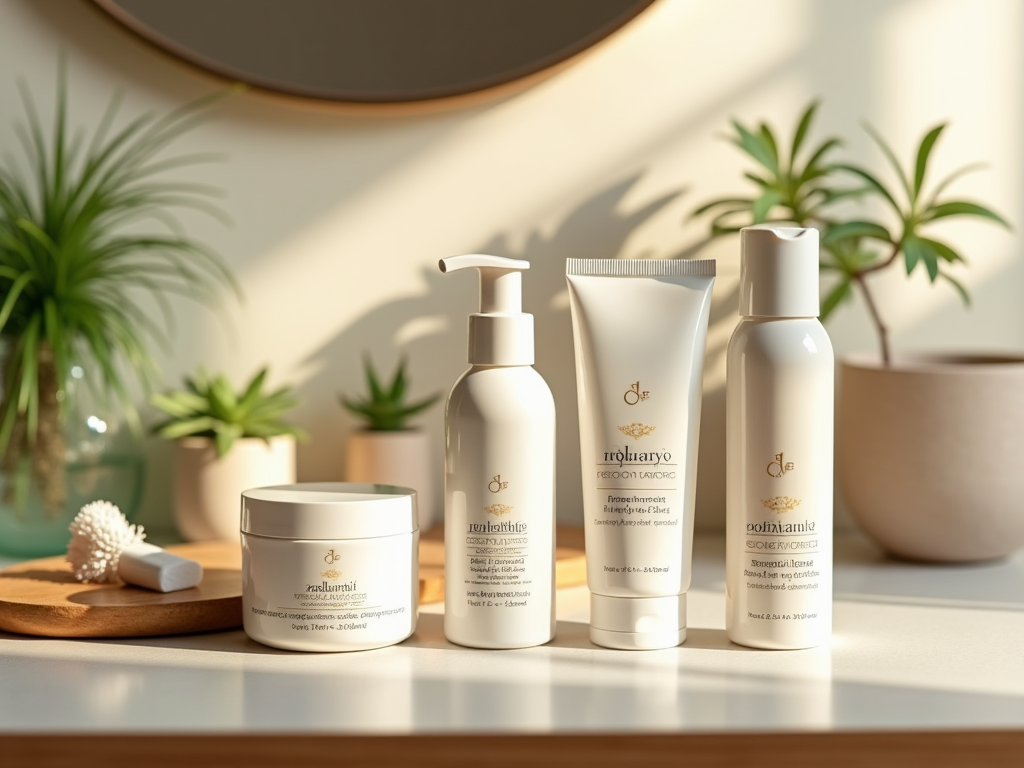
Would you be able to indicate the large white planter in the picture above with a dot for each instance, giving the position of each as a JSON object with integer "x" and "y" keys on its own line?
{"x": 403, "y": 457}
{"x": 208, "y": 490}
{"x": 930, "y": 454}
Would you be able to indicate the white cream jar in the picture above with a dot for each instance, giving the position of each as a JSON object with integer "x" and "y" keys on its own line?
{"x": 329, "y": 566}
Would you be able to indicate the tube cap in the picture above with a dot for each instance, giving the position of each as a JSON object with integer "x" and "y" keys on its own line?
{"x": 637, "y": 623}
{"x": 778, "y": 271}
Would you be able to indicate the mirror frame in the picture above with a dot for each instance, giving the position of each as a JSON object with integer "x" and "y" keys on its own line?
{"x": 566, "y": 58}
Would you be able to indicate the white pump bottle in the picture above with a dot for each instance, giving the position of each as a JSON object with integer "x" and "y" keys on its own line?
{"x": 499, "y": 494}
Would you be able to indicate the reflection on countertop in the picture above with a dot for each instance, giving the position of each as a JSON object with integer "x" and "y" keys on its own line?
{"x": 915, "y": 646}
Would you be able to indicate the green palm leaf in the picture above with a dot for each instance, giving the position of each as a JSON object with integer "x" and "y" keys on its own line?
{"x": 893, "y": 161}
{"x": 842, "y": 291}
{"x": 85, "y": 238}
{"x": 921, "y": 165}
{"x": 958, "y": 286}
{"x": 801, "y": 131}
{"x": 963, "y": 208}
{"x": 785, "y": 191}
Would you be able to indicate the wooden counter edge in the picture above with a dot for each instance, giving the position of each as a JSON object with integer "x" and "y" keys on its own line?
{"x": 877, "y": 749}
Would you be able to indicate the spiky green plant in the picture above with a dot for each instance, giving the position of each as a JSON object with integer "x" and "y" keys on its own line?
{"x": 806, "y": 195}
{"x": 789, "y": 187}
{"x": 87, "y": 234}
{"x": 385, "y": 408}
{"x": 209, "y": 407}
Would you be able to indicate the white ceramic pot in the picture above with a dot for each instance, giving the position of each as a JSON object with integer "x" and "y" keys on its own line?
{"x": 930, "y": 452}
{"x": 208, "y": 490}
{"x": 401, "y": 457}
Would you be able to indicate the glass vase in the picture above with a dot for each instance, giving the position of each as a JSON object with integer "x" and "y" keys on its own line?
{"x": 98, "y": 460}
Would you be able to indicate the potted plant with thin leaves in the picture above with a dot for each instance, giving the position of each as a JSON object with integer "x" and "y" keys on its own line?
{"x": 927, "y": 445}
{"x": 388, "y": 450}
{"x": 225, "y": 443}
{"x": 89, "y": 230}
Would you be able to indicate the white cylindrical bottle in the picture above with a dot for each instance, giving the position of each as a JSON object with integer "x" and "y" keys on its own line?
{"x": 779, "y": 437}
{"x": 499, "y": 496}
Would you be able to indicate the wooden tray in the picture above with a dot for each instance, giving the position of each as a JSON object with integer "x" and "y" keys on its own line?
{"x": 40, "y": 597}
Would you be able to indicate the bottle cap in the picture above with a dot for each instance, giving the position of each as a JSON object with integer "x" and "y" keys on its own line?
{"x": 500, "y": 333}
{"x": 778, "y": 271}
{"x": 637, "y": 623}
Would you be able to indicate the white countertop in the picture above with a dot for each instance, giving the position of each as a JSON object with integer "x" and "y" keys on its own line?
{"x": 915, "y": 647}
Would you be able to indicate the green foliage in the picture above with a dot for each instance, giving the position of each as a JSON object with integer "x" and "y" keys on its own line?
{"x": 385, "y": 408}
{"x": 806, "y": 195}
{"x": 209, "y": 407}
{"x": 88, "y": 233}
{"x": 793, "y": 186}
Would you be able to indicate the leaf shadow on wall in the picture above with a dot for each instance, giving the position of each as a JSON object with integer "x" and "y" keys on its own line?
{"x": 430, "y": 330}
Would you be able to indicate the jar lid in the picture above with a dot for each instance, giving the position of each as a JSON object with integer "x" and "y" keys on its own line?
{"x": 329, "y": 511}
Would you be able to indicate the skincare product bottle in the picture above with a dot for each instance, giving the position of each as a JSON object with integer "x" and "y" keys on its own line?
{"x": 779, "y": 403}
{"x": 639, "y": 329}
{"x": 499, "y": 496}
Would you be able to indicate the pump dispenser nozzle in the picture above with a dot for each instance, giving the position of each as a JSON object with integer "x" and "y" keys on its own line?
{"x": 500, "y": 333}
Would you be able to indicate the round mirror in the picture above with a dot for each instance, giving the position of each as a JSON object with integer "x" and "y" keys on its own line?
{"x": 376, "y": 51}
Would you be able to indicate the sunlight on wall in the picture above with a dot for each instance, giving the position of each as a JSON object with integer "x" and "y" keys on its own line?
{"x": 340, "y": 220}
{"x": 521, "y": 177}
{"x": 492, "y": 172}
{"x": 957, "y": 62}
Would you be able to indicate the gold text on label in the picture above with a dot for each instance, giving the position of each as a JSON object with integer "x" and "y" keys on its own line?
{"x": 779, "y": 467}
{"x": 634, "y": 394}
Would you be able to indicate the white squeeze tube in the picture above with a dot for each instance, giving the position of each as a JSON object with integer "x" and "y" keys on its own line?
{"x": 640, "y": 330}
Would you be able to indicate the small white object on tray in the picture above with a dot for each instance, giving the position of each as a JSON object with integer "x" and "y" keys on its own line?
{"x": 106, "y": 548}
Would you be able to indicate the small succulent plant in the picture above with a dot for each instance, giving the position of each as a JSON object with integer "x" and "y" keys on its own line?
{"x": 385, "y": 408}
{"x": 209, "y": 407}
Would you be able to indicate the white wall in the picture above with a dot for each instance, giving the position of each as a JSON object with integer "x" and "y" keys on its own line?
{"x": 340, "y": 219}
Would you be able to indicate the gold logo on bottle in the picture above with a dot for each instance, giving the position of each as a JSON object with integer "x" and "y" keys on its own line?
{"x": 634, "y": 394}
{"x": 779, "y": 467}
{"x": 330, "y": 558}
{"x": 780, "y": 504}
{"x": 497, "y": 510}
{"x": 333, "y": 573}
{"x": 497, "y": 484}
{"x": 636, "y": 430}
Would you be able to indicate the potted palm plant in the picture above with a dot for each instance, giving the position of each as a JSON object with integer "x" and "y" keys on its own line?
{"x": 388, "y": 450}
{"x": 927, "y": 445}
{"x": 88, "y": 232}
{"x": 225, "y": 443}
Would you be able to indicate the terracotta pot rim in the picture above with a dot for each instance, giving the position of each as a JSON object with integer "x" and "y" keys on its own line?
{"x": 952, "y": 363}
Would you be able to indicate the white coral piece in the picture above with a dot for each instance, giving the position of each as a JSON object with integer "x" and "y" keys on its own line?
{"x": 99, "y": 534}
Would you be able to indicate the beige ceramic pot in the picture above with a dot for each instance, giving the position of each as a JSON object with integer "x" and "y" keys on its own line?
{"x": 401, "y": 457}
{"x": 930, "y": 454}
{"x": 208, "y": 490}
